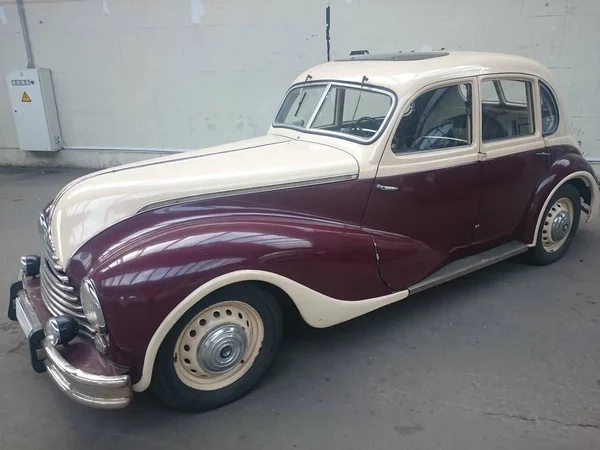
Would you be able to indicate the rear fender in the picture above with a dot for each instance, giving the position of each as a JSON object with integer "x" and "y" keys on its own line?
{"x": 569, "y": 166}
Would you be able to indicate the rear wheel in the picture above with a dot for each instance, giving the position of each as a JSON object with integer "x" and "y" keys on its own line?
{"x": 558, "y": 227}
{"x": 219, "y": 349}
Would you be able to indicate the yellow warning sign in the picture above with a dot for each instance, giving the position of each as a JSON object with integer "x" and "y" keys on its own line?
{"x": 25, "y": 98}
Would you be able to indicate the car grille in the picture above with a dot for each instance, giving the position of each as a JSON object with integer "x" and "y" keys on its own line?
{"x": 58, "y": 295}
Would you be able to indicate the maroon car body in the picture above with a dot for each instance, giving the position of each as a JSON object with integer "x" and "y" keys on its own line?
{"x": 436, "y": 179}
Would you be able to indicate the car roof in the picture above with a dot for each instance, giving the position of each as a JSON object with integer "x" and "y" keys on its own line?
{"x": 403, "y": 70}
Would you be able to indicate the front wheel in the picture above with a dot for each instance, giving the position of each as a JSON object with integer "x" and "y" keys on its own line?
{"x": 558, "y": 227}
{"x": 219, "y": 349}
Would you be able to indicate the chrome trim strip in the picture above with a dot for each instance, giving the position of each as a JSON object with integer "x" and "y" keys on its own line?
{"x": 469, "y": 264}
{"x": 98, "y": 391}
{"x": 276, "y": 187}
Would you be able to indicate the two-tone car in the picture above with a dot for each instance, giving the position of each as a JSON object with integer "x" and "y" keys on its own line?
{"x": 381, "y": 176}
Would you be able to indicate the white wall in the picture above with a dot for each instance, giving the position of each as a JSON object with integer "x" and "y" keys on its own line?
{"x": 144, "y": 75}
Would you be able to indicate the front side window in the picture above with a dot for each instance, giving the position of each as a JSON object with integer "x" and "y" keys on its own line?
{"x": 549, "y": 110}
{"x": 355, "y": 112}
{"x": 506, "y": 109}
{"x": 438, "y": 119}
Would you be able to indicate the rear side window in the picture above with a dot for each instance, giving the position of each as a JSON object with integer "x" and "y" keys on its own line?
{"x": 506, "y": 109}
{"x": 549, "y": 110}
{"x": 437, "y": 119}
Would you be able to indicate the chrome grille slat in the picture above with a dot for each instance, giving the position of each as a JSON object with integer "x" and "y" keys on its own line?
{"x": 51, "y": 291}
{"x": 58, "y": 303}
{"x": 57, "y": 293}
{"x": 54, "y": 287}
{"x": 84, "y": 327}
{"x": 47, "y": 243}
{"x": 56, "y": 270}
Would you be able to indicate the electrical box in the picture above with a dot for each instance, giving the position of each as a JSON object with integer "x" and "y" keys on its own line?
{"x": 34, "y": 109}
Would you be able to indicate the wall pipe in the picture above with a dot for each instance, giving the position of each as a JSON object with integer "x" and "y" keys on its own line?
{"x": 25, "y": 31}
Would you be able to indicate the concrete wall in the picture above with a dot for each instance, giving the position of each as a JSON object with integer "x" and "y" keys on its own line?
{"x": 183, "y": 74}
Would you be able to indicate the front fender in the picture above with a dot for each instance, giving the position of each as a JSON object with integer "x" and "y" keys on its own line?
{"x": 317, "y": 309}
{"x": 143, "y": 277}
{"x": 571, "y": 165}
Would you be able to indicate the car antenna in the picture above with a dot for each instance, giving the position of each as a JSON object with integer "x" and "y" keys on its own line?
{"x": 362, "y": 84}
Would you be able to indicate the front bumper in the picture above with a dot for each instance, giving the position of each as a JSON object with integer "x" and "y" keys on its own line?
{"x": 101, "y": 386}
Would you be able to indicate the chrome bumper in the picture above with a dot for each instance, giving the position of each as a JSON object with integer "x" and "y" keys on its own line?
{"x": 98, "y": 391}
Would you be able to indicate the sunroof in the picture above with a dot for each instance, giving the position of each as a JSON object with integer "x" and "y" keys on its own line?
{"x": 400, "y": 56}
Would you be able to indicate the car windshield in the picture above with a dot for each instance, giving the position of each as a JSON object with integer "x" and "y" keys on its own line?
{"x": 355, "y": 112}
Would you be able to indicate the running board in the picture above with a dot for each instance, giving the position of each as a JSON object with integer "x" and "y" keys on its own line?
{"x": 469, "y": 264}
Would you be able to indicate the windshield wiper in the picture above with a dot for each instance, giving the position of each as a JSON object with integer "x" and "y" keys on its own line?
{"x": 300, "y": 104}
{"x": 308, "y": 77}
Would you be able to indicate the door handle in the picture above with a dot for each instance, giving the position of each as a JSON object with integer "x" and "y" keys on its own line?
{"x": 542, "y": 154}
{"x": 385, "y": 188}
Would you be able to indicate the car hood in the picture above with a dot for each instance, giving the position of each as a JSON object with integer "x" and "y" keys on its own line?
{"x": 97, "y": 201}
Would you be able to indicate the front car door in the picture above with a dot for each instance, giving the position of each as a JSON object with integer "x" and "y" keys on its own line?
{"x": 513, "y": 154}
{"x": 425, "y": 199}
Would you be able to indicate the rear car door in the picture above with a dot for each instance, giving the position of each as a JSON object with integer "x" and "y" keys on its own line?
{"x": 425, "y": 199}
{"x": 513, "y": 154}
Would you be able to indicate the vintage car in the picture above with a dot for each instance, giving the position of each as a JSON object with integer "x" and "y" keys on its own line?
{"x": 381, "y": 176}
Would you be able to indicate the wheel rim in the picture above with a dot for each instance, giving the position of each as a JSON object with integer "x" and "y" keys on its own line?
{"x": 557, "y": 225}
{"x": 218, "y": 346}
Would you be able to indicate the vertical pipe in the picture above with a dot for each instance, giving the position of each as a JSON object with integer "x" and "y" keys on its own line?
{"x": 25, "y": 31}
{"x": 327, "y": 27}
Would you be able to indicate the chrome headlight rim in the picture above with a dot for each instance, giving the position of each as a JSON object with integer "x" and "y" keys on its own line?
{"x": 92, "y": 307}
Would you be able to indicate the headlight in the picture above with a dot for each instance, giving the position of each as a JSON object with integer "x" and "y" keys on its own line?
{"x": 91, "y": 306}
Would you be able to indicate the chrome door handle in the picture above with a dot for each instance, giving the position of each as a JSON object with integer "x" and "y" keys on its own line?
{"x": 384, "y": 188}
{"x": 542, "y": 154}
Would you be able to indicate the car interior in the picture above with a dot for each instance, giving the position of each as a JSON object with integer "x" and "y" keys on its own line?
{"x": 441, "y": 118}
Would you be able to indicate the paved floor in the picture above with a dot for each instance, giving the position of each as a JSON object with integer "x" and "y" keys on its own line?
{"x": 507, "y": 358}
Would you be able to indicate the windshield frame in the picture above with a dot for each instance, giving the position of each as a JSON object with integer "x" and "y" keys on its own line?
{"x": 328, "y": 86}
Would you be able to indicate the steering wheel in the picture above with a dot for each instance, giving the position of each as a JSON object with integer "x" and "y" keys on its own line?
{"x": 364, "y": 131}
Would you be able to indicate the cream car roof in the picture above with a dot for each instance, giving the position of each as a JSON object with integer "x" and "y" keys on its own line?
{"x": 400, "y": 75}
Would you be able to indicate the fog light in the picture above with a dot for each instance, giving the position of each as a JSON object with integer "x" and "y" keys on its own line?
{"x": 61, "y": 330}
{"x": 30, "y": 265}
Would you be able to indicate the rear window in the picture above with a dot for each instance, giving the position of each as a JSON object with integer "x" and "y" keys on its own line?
{"x": 549, "y": 110}
{"x": 506, "y": 109}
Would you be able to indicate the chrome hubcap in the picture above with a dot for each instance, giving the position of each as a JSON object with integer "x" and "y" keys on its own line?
{"x": 222, "y": 348}
{"x": 218, "y": 346}
{"x": 557, "y": 225}
{"x": 560, "y": 226}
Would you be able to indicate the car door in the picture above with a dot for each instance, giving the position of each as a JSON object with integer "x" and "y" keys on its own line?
{"x": 424, "y": 203}
{"x": 513, "y": 154}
